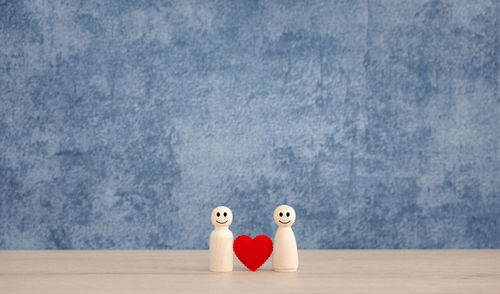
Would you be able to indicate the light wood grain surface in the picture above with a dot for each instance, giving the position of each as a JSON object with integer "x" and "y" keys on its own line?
{"x": 320, "y": 271}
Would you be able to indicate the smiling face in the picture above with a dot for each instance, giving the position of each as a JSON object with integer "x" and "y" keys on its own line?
{"x": 284, "y": 216}
{"x": 222, "y": 216}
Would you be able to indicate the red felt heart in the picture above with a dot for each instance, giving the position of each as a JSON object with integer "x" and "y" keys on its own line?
{"x": 253, "y": 252}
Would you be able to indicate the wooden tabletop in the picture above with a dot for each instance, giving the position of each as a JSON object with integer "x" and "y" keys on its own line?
{"x": 186, "y": 271}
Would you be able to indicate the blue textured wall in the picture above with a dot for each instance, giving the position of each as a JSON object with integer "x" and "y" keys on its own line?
{"x": 123, "y": 124}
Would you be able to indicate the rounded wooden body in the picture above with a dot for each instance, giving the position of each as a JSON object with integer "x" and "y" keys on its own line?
{"x": 221, "y": 250}
{"x": 285, "y": 254}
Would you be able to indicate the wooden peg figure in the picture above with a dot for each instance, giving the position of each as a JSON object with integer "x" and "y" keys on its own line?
{"x": 221, "y": 240}
{"x": 285, "y": 255}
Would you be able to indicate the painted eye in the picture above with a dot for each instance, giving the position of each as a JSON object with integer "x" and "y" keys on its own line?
{"x": 218, "y": 214}
{"x": 225, "y": 213}
{"x": 281, "y": 214}
{"x": 287, "y": 214}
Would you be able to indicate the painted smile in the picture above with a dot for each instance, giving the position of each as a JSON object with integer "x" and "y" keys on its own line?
{"x": 284, "y": 223}
{"x": 220, "y": 222}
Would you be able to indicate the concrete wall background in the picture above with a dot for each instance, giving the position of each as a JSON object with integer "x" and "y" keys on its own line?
{"x": 123, "y": 124}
